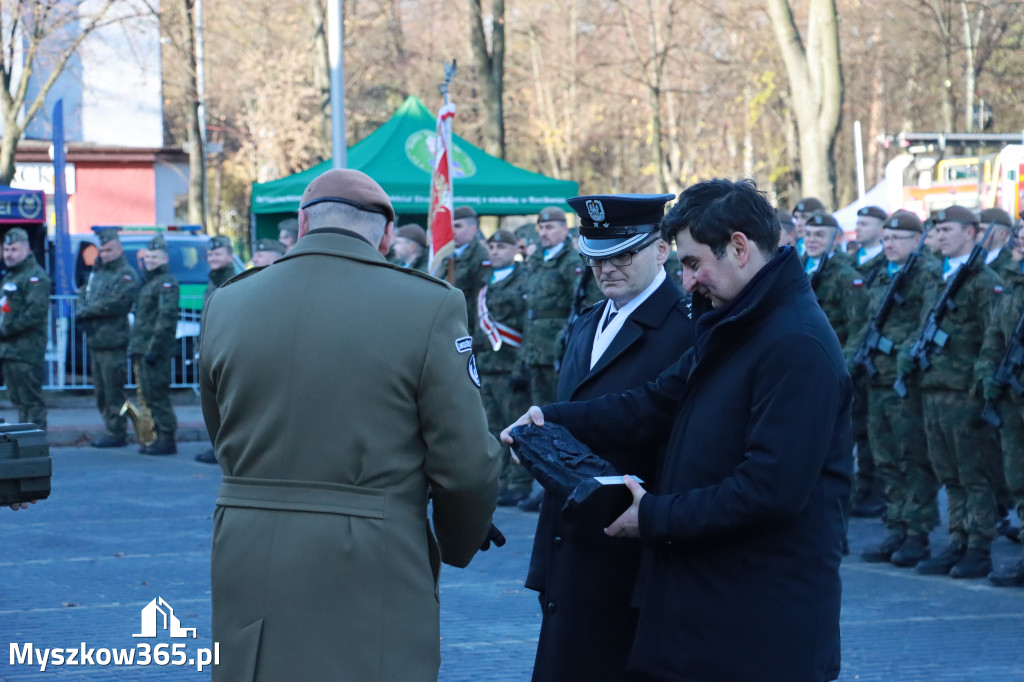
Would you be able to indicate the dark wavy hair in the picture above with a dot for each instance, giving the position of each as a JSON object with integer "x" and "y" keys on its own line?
{"x": 712, "y": 210}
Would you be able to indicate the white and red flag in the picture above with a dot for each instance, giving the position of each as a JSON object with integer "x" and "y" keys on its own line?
{"x": 439, "y": 219}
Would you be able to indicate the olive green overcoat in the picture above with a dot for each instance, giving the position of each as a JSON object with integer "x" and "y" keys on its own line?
{"x": 337, "y": 388}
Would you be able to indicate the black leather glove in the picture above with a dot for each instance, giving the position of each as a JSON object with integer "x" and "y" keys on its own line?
{"x": 150, "y": 359}
{"x": 493, "y": 536}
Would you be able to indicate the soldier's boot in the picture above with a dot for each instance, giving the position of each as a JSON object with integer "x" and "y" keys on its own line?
{"x": 913, "y": 551}
{"x": 1010, "y": 575}
{"x": 883, "y": 553}
{"x": 944, "y": 563}
{"x": 1006, "y": 528}
{"x": 109, "y": 440}
{"x": 976, "y": 563}
{"x": 161, "y": 446}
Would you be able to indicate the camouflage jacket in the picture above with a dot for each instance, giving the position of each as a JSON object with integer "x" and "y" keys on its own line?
{"x": 870, "y": 269}
{"x": 1004, "y": 320}
{"x": 156, "y": 314}
{"x": 841, "y": 294}
{"x": 953, "y": 365}
{"x": 420, "y": 263}
{"x": 902, "y": 321}
{"x": 24, "y": 310}
{"x": 506, "y": 304}
{"x": 471, "y": 270}
{"x": 217, "y": 279}
{"x": 105, "y": 301}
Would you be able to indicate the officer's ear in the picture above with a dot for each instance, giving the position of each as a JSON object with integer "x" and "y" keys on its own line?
{"x": 303, "y": 223}
{"x": 389, "y": 236}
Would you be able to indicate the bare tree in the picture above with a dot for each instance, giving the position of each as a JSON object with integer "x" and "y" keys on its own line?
{"x": 38, "y": 38}
{"x": 490, "y": 64}
{"x": 815, "y": 88}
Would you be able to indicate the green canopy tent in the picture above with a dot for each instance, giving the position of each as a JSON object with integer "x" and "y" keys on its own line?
{"x": 399, "y": 155}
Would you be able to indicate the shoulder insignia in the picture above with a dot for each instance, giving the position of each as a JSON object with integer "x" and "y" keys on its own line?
{"x": 33, "y": 279}
{"x": 10, "y": 286}
{"x": 473, "y": 373}
{"x": 485, "y": 263}
{"x": 579, "y": 270}
{"x": 858, "y": 282}
{"x": 997, "y": 289}
{"x": 167, "y": 285}
{"x": 464, "y": 344}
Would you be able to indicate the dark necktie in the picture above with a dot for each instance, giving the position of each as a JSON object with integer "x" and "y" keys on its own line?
{"x": 608, "y": 319}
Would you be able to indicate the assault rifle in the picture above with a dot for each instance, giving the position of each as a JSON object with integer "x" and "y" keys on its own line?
{"x": 1007, "y": 372}
{"x": 816, "y": 275}
{"x": 931, "y": 334}
{"x": 574, "y": 313}
{"x": 874, "y": 341}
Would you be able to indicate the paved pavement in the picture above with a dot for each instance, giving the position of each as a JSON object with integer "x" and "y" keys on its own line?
{"x": 122, "y": 529}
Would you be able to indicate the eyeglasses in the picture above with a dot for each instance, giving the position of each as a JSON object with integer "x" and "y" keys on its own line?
{"x": 619, "y": 260}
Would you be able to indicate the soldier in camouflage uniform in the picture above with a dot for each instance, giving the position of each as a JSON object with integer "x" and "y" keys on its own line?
{"x": 868, "y": 261}
{"x": 839, "y": 288}
{"x": 803, "y": 211}
{"x": 895, "y": 425}
{"x": 501, "y": 310}
{"x": 411, "y": 247}
{"x": 102, "y": 311}
{"x": 24, "y": 310}
{"x": 1010, "y": 405}
{"x": 962, "y": 451}
{"x": 152, "y": 341}
{"x": 998, "y": 256}
{"x": 471, "y": 259}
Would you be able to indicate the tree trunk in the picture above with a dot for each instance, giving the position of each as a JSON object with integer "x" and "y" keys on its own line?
{"x": 195, "y": 141}
{"x": 321, "y": 77}
{"x": 816, "y": 90}
{"x": 491, "y": 67}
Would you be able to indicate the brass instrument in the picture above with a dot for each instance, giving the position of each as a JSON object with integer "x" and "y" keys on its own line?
{"x": 140, "y": 417}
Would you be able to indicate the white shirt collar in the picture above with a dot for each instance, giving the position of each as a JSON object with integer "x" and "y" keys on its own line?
{"x": 603, "y": 338}
{"x": 460, "y": 249}
{"x": 498, "y": 275}
{"x": 867, "y": 254}
{"x": 553, "y": 251}
{"x": 991, "y": 256}
{"x": 953, "y": 264}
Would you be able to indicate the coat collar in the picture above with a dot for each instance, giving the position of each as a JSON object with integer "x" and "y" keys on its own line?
{"x": 334, "y": 241}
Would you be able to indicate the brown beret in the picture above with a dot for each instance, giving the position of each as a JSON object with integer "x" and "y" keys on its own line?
{"x": 352, "y": 187}
{"x": 823, "y": 220}
{"x": 809, "y": 205}
{"x": 270, "y": 245}
{"x": 503, "y": 237}
{"x": 956, "y": 214}
{"x": 904, "y": 220}
{"x": 107, "y": 235}
{"x": 463, "y": 213}
{"x": 219, "y": 242}
{"x": 414, "y": 233}
{"x": 157, "y": 243}
{"x": 873, "y": 212}
{"x": 15, "y": 234}
{"x": 997, "y": 216}
{"x": 551, "y": 214}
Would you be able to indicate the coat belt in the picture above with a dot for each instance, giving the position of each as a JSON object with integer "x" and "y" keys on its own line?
{"x": 301, "y": 496}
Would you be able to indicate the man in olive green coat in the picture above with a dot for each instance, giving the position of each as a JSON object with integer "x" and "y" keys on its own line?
{"x": 102, "y": 310}
{"x": 24, "y": 307}
{"x": 963, "y": 454}
{"x": 153, "y": 344}
{"x": 360, "y": 397}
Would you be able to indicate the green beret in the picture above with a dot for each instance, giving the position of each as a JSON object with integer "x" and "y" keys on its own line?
{"x": 269, "y": 245}
{"x": 219, "y": 242}
{"x": 15, "y": 234}
{"x": 106, "y": 236}
{"x": 157, "y": 243}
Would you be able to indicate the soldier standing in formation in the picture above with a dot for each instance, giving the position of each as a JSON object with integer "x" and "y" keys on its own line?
{"x": 288, "y": 233}
{"x": 501, "y": 310}
{"x": 552, "y": 281}
{"x": 963, "y": 456}
{"x": 1011, "y": 406}
{"x": 802, "y": 213}
{"x": 152, "y": 342}
{"x": 998, "y": 256}
{"x": 839, "y": 288}
{"x": 24, "y": 310}
{"x": 895, "y": 425}
{"x": 868, "y": 261}
{"x": 787, "y": 235}
{"x": 102, "y": 311}
{"x": 643, "y": 327}
{"x": 410, "y": 247}
{"x": 470, "y": 258}
{"x": 220, "y": 258}
{"x": 266, "y": 252}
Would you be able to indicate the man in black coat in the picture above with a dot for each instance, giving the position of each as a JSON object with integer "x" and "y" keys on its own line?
{"x": 743, "y": 529}
{"x": 585, "y": 579}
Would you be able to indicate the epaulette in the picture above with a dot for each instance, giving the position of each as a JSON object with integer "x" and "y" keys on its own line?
{"x": 242, "y": 275}
{"x": 418, "y": 273}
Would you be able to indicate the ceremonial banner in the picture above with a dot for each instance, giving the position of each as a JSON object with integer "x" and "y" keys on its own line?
{"x": 439, "y": 219}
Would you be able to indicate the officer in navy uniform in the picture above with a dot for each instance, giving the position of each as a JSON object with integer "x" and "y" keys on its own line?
{"x": 585, "y": 579}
